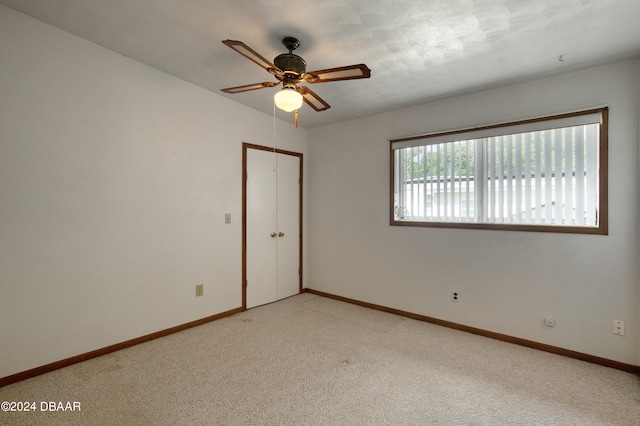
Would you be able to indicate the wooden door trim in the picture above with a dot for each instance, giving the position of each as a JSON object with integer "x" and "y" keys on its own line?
{"x": 245, "y": 147}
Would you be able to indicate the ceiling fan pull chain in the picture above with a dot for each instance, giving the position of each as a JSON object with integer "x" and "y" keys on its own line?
{"x": 296, "y": 119}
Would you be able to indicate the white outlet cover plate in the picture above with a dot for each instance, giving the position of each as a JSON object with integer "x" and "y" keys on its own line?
{"x": 618, "y": 327}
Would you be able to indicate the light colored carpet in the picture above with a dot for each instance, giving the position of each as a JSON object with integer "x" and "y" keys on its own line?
{"x": 317, "y": 361}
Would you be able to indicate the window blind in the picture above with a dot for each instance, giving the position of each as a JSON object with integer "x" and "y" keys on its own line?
{"x": 533, "y": 172}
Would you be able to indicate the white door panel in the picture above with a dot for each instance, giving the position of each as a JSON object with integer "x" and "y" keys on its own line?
{"x": 288, "y": 217}
{"x": 261, "y": 223}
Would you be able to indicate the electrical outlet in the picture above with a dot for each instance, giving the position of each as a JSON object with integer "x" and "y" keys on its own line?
{"x": 618, "y": 327}
{"x": 549, "y": 322}
{"x": 455, "y": 296}
{"x": 199, "y": 290}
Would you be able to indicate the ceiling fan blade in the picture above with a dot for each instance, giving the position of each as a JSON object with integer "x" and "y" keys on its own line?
{"x": 350, "y": 72}
{"x": 250, "y": 87}
{"x": 313, "y": 100}
{"x": 249, "y": 53}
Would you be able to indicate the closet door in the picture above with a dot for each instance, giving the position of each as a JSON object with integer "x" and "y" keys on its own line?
{"x": 288, "y": 226}
{"x": 261, "y": 233}
{"x": 272, "y": 226}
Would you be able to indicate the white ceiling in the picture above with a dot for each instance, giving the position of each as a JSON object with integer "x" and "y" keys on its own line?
{"x": 418, "y": 50}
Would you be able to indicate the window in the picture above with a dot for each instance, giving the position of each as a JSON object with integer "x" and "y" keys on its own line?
{"x": 544, "y": 174}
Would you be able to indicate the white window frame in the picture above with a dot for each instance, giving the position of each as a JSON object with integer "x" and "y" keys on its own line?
{"x": 548, "y": 123}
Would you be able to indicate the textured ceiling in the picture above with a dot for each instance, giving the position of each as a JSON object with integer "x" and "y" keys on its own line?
{"x": 418, "y": 51}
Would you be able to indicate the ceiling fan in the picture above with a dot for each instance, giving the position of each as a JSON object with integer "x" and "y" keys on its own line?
{"x": 290, "y": 69}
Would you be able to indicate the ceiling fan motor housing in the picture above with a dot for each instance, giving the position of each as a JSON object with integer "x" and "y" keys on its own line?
{"x": 290, "y": 62}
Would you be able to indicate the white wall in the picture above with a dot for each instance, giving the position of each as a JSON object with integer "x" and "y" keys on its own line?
{"x": 638, "y": 218}
{"x": 508, "y": 281}
{"x": 114, "y": 182}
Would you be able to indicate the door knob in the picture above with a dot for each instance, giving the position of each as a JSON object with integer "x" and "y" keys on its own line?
{"x": 273, "y": 235}
{"x": 280, "y": 234}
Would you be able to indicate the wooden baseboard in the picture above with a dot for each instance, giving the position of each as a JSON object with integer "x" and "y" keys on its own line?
{"x": 118, "y": 346}
{"x": 503, "y": 337}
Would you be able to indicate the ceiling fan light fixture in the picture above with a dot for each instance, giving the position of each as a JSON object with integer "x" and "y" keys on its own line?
{"x": 288, "y": 99}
